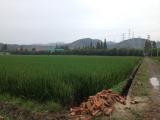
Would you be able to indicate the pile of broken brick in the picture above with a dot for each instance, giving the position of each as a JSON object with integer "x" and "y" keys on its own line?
{"x": 100, "y": 104}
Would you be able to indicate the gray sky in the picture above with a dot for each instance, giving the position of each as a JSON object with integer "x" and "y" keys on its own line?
{"x": 49, "y": 21}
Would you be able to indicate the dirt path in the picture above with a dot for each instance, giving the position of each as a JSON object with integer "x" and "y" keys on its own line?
{"x": 146, "y": 90}
{"x": 153, "y": 113}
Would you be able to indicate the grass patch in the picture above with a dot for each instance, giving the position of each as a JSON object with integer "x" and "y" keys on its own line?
{"x": 31, "y": 105}
{"x": 118, "y": 88}
{"x": 5, "y": 116}
{"x": 141, "y": 86}
{"x": 137, "y": 114}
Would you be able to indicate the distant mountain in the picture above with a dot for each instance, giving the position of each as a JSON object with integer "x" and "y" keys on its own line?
{"x": 111, "y": 44}
{"x": 83, "y": 43}
{"x": 1, "y": 44}
{"x": 158, "y": 44}
{"x": 136, "y": 43}
{"x": 54, "y": 44}
{"x": 39, "y": 47}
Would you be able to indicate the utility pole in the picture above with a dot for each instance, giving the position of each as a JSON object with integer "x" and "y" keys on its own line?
{"x": 144, "y": 50}
{"x": 123, "y": 36}
{"x": 129, "y": 33}
{"x": 133, "y": 34}
{"x": 149, "y": 37}
{"x": 157, "y": 49}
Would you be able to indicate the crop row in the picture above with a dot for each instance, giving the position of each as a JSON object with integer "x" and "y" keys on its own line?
{"x": 63, "y": 79}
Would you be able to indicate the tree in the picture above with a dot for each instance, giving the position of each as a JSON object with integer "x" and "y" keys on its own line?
{"x": 33, "y": 49}
{"x": 21, "y": 48}
{"x": 147, "y": 47}
{"x": 91, "y": 45}
{"x": 154, "y": 45}
{"x": 105, "y": 44}
{"x": 4, "y": 47}
{"x": 101, "y": 45}
{"x": 66, "y": 47}
{"x": 155, "y": 48}
{"x": 56, "y": 46}
{"x": 26, "y": 50}
{"x": 98, "y": 46}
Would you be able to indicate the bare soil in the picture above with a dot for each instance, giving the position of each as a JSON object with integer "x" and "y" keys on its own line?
{"x": 18, "y": 113}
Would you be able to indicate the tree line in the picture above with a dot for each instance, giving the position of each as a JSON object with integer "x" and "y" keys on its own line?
{"x": 150, "y": 49}
{"x": 102, "y": 52}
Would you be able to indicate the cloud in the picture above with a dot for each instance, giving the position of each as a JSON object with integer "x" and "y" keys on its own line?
{"x": 39, "y": 21}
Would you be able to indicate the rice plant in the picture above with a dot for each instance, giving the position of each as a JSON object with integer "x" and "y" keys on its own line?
{"x": 63, "y": 79}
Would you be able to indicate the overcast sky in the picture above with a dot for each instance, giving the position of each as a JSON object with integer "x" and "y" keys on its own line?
{"x": 49, "y": 21}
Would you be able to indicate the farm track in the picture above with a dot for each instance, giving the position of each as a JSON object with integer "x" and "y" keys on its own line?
{"x": 153, "y": 113}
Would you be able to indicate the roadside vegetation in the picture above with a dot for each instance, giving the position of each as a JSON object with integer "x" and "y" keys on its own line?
{"x": 141, "y": 85}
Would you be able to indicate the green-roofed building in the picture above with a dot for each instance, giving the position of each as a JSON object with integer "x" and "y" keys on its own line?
{"x": 55, "y": 49}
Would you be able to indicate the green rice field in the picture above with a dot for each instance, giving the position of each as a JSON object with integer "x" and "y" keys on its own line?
{"x": 63, "y": 79}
